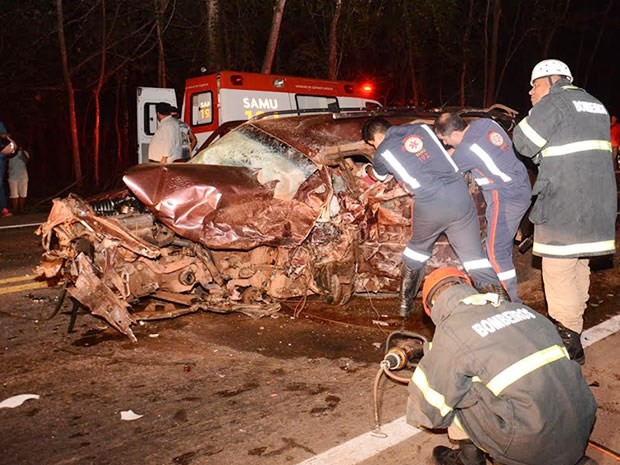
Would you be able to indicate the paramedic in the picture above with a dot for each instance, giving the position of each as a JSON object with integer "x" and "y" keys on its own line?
{"x": 442, "y": 203}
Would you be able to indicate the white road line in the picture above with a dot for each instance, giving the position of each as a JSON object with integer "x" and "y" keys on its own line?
{"x": 16, "y": 226}
{"x": 600, "y": 331}
{"x": 367, "y": 445}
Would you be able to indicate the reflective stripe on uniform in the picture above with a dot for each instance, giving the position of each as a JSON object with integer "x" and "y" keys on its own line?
{"x": 481, "y": 299}
{"x": 525, "y": 366}
{"x": 433, "y": 397}
{"x": 458, "y": 423}
{"x": 378, "y": 176}
{"x": 477, "y": 264}
{"x": 489, "y": 163}
{"x": 531, "y": 134}
{"x": 416, "y": 256}
{"x": 482, "y": 181}
{"x": 400, "y": 169}
{"x": 571, "y": 249}
{"x": 440, "y": 145}
{"x": 505, "y": 275}
{"x": 576, "y": 147}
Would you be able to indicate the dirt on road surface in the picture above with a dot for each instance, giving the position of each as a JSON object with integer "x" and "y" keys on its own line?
{"x": 227, "y": 389}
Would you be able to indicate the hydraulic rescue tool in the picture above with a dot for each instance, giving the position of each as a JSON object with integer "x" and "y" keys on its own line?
{"x": 403, "y": 350}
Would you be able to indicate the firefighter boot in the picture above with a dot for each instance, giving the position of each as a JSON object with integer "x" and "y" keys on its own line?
{"x": 466, "y": 454}
{"x": 495, "y": 289}
{"x": 572, "y": 342}
{"x": 409, "y": 286}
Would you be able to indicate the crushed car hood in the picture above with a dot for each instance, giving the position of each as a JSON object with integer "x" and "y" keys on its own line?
{"x": 217, "y": 205}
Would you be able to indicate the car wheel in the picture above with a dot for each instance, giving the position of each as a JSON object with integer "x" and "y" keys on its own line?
{"x": 340, "y": 293}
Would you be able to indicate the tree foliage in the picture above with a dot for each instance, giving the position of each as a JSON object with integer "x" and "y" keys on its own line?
{"x": 418, "y": 52}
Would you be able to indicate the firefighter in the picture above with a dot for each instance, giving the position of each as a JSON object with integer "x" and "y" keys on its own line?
{"x": 567, "y": 134}
{"x": 414, "y": 155}
{"x": 498, "y": 377}
{"x": 483, "y": 148}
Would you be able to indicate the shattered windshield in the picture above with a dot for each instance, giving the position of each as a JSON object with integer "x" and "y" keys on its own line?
{"x": 272, "y": 160}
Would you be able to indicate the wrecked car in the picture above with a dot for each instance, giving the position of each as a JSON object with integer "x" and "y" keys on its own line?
{"x": 278, "y": 208}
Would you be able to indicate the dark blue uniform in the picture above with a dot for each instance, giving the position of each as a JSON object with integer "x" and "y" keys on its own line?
{"x": 443, "y": 204}
{"x": 486, "y": 151}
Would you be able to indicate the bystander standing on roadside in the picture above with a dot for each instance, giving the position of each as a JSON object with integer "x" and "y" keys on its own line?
{"x": 7, "y": 148}
{"x": 18, "y": 179}
{"x": 567, "y": 134}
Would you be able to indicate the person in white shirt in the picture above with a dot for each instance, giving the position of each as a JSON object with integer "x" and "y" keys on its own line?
{"x": 18, "y": 179}
{"x": 7, "y": 149}
{"x": 165, "y": 146}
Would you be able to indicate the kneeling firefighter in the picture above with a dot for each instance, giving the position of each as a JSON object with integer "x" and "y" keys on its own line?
{"x": 498, "y": 377}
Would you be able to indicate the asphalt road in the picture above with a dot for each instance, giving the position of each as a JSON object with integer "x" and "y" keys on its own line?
{"x": 227, "y": 389}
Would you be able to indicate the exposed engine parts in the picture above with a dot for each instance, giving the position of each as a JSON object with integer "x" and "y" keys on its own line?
{"x": 123, "y": 205}
{"x": 276, "y": 209}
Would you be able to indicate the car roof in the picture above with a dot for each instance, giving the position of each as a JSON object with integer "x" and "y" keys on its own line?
{"x": 328, "y": 137}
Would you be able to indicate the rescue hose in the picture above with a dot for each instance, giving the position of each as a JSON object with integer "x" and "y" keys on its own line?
{"x": 605, "y": 450}
{"x": 375, "y": 391}
{"x": 383, "y": 369}
{"x": 395, "y": 358}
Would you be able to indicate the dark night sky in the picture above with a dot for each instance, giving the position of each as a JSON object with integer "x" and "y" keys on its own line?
{"x": 34, "y": 103}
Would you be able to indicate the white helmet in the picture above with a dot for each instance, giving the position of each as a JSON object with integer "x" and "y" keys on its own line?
{"x": 550, "y": 68}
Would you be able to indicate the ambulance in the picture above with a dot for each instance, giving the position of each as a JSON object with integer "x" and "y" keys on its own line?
{"x": 210, "y": 101}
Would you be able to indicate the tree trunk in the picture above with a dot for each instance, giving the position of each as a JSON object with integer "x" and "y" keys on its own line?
{"x": 470, "y": 19}
{"x": 228, "y": 54}
{"x": 557, "y": 22}
{"x": 75, "y": 143}
{"x": 409, "y": 45}
{"x": 96, "y": 133}
{"x": 160, "y": 8}
{"x": 486, "y": 52}
{"x": 214, "y": 58}
{"x": 117, "y": 126}
{"x": 598, "y": 41}
{"x": 490, "y": 91}
{"x": 510, "y": 50}
{"x": 415, "y": 85}
{"x": 278, "y": 12}
{"x": 124, "y": 121}
{"x": 97, "y": 95}
{"x": 332, "y": 61}
{"x": 576, "y": 69}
